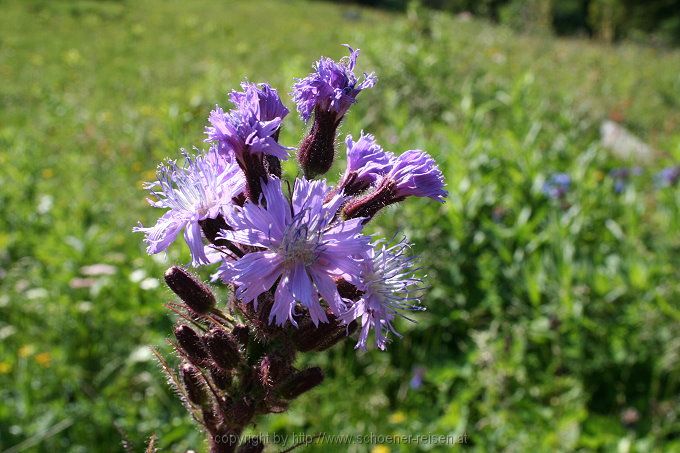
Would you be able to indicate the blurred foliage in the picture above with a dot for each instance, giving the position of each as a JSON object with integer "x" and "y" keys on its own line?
{"x": 550, "y": 326}
{"x": 652, "y": 22}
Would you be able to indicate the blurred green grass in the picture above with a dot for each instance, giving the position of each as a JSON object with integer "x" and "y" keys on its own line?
{"x": 543, "y": 325}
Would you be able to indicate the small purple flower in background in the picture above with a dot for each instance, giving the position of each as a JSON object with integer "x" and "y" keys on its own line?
{"x": 389, "y": 286}
{"x": 199, "y": 190}
{"x": 303, "y": 245}
{"x": 668, "y": 177}
{"x": 557, "y": 186}
{"x": 498, "y": 213}
{"x": 366, "y": 162}
{"x": 412, "y": 174}
{"x": 332, "y": 87}
{"x": 417, "y": 377}
{"x": 622, "y": 176}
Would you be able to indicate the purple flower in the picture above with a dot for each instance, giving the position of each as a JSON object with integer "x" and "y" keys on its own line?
{"x": 252, "y": 127}
{"x": 332, "y": 87}
{"x": 557, "y": 186}
{"x": 261, "y": 99}
{"x": 366, "y": 162}
{"x": 303, "y": 247}
{"x": 417, "y": 377}
{"x": 388, "y": 287}
{"x": 668, "y": 177}
{"x": 414, "y": 173}
{"x": 621, "y": 177}
{"x": 199, "y": 190}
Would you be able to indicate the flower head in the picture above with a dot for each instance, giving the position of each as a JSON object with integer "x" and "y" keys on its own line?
{"x": 412, "y": 174}
{"x": 366, "y": 162}
{"x": 332, "y": 87}
{"x": 557, "y": 186}
{"x": 303, "y": 247}
{"x": 260, "y": 99}
{"x": 250, "y": 128}
{"x": 389, "y": 286}
{"x": 416, "y": 174}
{"x": 201, "y": 189}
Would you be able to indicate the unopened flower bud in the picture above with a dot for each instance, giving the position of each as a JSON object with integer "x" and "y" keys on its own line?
{"x": 223, "y": 348}
{"x": 301, "y": 382}
{"x": 220, "y": 377}
{"x": 194, "y": 293}
{"x": 194, "y": 384}
{"x": 211, "y": 418}
{"x": 191, "y": 344}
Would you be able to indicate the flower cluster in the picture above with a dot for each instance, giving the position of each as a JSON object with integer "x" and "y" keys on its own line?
{"x": 297, "y": 249}
{"x": 303, "y": 272}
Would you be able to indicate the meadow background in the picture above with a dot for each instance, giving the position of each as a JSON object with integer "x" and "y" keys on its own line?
{"x": 550, "y": 326}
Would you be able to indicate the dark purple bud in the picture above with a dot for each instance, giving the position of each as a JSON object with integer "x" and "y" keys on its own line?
{"x": 191, "y": 344}
{"x": 223, "y": 348}
{"x": 317, "y": 150}
{"x": 194, "y": 293}
{"x": 251, "y": 445}
{"x": 220, "y": 377}
{"x": 211, "y": 419}
{"x": 194, "y": 384}
{"x": 301, "y": 382}
{"x": 241, "y": 332}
